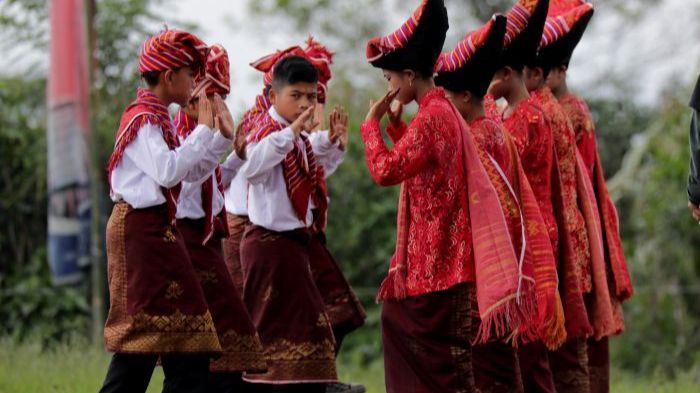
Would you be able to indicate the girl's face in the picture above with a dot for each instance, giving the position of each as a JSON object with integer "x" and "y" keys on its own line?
{"x": 402, "y": 80}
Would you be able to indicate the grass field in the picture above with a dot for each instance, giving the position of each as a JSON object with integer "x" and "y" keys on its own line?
{"x": 26, "y": 369}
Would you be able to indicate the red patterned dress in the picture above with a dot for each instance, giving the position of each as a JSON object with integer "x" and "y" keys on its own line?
{"x": 534, "y": 141}
{"x": 426, "y": 314}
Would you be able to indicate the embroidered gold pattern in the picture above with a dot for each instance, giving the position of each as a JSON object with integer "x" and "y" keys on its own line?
{"x": 241, "y": 352}
{"x": 207, "y": 276}
{"x": 125, "y": 333}
{"x": 169, "y": 236}
{"x": 174, "y": 291}
{"x": 305, "y": 361}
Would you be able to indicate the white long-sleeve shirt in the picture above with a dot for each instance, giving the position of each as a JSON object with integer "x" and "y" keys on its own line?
{"x": 148, "y": 164}
{"x": 269, "y": 205}
{"x": 236, "y": 194}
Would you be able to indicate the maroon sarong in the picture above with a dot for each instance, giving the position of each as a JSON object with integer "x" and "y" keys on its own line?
{"x": 495, "y": 364}
{"x": 286, "y": 308}
{"x": 496, "y": 368}
{"x": 242, "y": 350}
{"x": 569, "y": 366}
{"x": 535, "y": 368}
{"x": 156, "y": 302}
{"x": 342, "y": 305}
{"x": 426, "y": 342}
{"x": 599, "y": 365}
{"x": 232, "y": 248}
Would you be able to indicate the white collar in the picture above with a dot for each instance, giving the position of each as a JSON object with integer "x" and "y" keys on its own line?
{"x": 277, "y": 117}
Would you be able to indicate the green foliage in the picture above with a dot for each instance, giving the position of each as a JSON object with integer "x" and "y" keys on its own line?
{"x": 23, "y": 171}
{"x": 30, "y": 307}
{"x": 664, "y": 316}
{"x": 617, "y": 121}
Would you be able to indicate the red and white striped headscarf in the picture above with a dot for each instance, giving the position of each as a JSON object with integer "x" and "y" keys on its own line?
{"x": 172, "y": 49}
{"x": 216, "y": 78}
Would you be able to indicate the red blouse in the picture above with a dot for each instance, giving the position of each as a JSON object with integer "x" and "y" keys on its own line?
{"x": 584, "y": 129}
{"x": 490, "y": 137}
{"x": 571, "y": 220}
{"x": 533, "y": 138}
{"x": 425, "y": 157}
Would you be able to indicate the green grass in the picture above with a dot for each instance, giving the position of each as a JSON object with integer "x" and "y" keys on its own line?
{"x": 65, "y": 369}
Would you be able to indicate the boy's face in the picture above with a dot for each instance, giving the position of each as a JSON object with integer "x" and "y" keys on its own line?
{"x": 179, "y": 85}
{"x": 292, "y": 100}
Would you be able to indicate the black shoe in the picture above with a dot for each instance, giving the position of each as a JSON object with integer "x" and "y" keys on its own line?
{"x": 345, "y": 388}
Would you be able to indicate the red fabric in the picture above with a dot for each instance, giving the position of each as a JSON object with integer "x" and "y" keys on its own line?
{"x": 549, "y": 326}
{"x": 599, "y": 304}
{"x": 147, "y": 108}
{"x": 185, "y": 125}
{"x": 621, "y": 283}
{"x": 584, "y": 129}
{"x": 541, "y": 231}
{"x": 534, "y": 141}
{"x": 434, "y": 158}
{"x": 321, "y": 58}
{"x": 314, "y": 51}
{"x": 575, "y": 255}
{"x": 251, "y": 116}
{"x": 560, "y": 7}
{"x": 381, "y": 46}
{"x": 305, "y": 179}
{"x": 216, "y": 78}
{"x": 465, "y": 49}
{"x": 242, "y": 350}
{"x": 561, "y": 18}
{"x": 171, "y": 49}
{"x": 518, "y": 18}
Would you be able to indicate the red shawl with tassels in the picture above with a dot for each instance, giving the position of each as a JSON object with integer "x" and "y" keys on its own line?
{"x": 601, "y": 208}
{"x": 575, "y": 255}
{"x": 147, "y": 108}
{"x": 522, "y": 211}
{"x": 472, "y": 215}
{"x": 185, "y": 125}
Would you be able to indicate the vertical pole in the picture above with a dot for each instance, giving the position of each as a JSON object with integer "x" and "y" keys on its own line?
{"x": 97, "y": 276}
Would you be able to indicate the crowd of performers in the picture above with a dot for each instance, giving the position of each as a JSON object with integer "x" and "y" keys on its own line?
{"x": 508, "y": 273}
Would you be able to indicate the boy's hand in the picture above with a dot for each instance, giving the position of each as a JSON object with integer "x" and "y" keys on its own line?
{"x": 223, "y": 117}
{"x": 240, "y": 142}
{"x": 304, "y": 122}
{"x": 339, "y": 127}
{"x": 206, "y": 115}
{"x": 395, "y": 112}
{"x": 318, "y": 117}
{"x": 379, "y": 108}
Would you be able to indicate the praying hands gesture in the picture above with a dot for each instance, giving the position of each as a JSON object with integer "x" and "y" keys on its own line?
{"x": 240, "y": 142}
{"x": 379, "y": 108}
{"x": 223, "y": 121}
{"x": 305, "y": 122}
{"x": 206, "y": 115}
{"x": 339, "y": 127}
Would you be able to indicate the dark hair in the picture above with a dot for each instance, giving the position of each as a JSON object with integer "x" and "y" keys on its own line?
{"x": 151, "y": 77}
{"x": 291, "y": 70}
